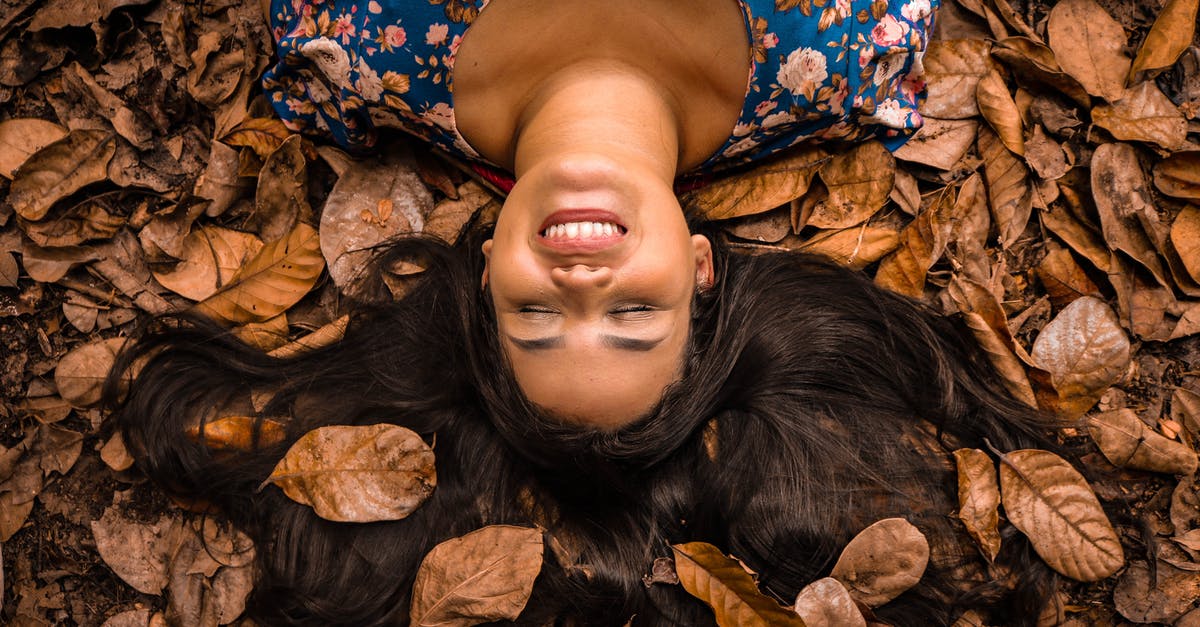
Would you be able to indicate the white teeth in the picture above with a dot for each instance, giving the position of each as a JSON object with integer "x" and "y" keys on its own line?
{"x": 582, "y": 230}
{"x": 572, "y": 230}
{"x": 585, "y": 229}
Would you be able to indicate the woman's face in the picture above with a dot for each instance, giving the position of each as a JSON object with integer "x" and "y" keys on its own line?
{"x": 592, "y": 271}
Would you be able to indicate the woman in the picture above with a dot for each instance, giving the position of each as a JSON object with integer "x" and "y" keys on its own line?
{"x": 625, "y": 389}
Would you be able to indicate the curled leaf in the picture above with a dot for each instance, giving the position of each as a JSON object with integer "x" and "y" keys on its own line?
{"x": 358, "y": 474}
{"x": 979, "y": 499}
{"x": 1128, "y": 443}
{"x": 486, "y": 575}
{"x": 882, "y": 561}
{"x": 827, "y": 603}
{"x": 1170, "y": 35}
{"x": 725, "y": 586}
{"x": 59, "y": 170}
{"x": 859, "y": 183}
{"x": 765, "y": 187}
{"x": 1179, "y": 175}
{"x": 1008, "y": 190}
{"x": 1052, "y": 504}
{"x": 1000, "y": 111}
{"x": 20, "y": 138}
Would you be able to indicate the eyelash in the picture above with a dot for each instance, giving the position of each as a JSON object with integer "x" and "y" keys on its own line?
{"x": 630, "y": 309}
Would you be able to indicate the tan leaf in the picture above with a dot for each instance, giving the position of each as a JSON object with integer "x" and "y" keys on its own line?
{"x": 1085, "y": 350}
{"x": 275, "y": 279}
{"x": 859, "y": 182}
{"x": 1185, "y": 239}
{"x": 21, "y": 138}
{"x": 827, "y": 603}
{"x": 262, "y": 135}
{"x": 979, "y": 499}
{"x": 1035, "y": 64}
{"x": 211, "y": 257}
{"x": 358, "y": 474}
{"x": 1122, "y": 199}
{"x": 1000, "y": 111}
{"x": 1052, "y": 504}
{"x": 220, "y": 182}
{"x": 855, "y": 247}
{"x": 13, "y": 514}
{"x": 1179, "y": 175}
{"x": 9, "y": 270}
{"x": 1063, "y": 277}
{"x": 1160, "y": 597}
{"x": 986, "y": 319}
{"x": 1009, "y": 194}
{"x": 1144, "y": 114}
{"x": 1045, "y": 156}
{"x": 1079, "y": 237}
{"x": 60, "y": 169}
{"x": 81, "y": 373}
{"x": 922, "y": 242}
{"x": 1128, "y": 443}
{"x": 765, "y": 187}
{"x": 115, "y": 455}
{"x": 266, "y": 335}
{"x": 87, "y": 221}
{"x": 324, "y": 336}
{"x": 939, "y": 143}
{"x": 725, "y": 586}
{"x": 486, "y": 575}
{"x": 449, "y": 216}
{"x": 1170, "y": 35}
{"x": 970, "y": 231}
{"x": 1090, "y": 46}
{"x": 906, "y": 193}
{"x": 767, "y": 228}
{"x": 139, "y": 553}
{"x": 882, "y": 561}
{"x": 952, "y": 70}
{"x": 237, "y": 433}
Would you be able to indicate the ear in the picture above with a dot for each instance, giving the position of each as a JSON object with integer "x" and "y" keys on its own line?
{"x": 487, "y": 264}
{"x": 705, "y": 274}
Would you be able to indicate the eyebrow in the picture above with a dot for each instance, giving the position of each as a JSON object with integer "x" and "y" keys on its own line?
{"x": 612, "y": 341}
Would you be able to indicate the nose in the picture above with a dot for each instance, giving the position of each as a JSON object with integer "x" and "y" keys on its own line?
{"x": 580, "y": 277}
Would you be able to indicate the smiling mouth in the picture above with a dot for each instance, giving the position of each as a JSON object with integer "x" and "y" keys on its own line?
{"x": 582, "y": 230}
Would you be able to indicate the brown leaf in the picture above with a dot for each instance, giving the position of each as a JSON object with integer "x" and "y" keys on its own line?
{"x": 970, "y": 230}
{"x": 282, "y": 195}
{"x": 220, "y": 182}
{"x": 725, "y": 586}
{"x": 21, "y": 138}
{"x": 13, "y": 514}
{"x": 859, "y": 182}
{"x": 1063, "y": 277}
{"x": 87, "y": 221}
{"x": 9, "y": 270}
{"x": 1085, "y": 350}
{"x": 985, "y": 317}
{"x": 262, "y": 135}
{"x": 921, "y": 244}
{"x": 827, "y": 603}
{"x": 275, "y": 279}
{"x": 1052, "y": 504}
{"x": 210, "y": 258}
{"x": 1034, "y": 64}
{"x": 1079, "y": 237}
{"x": 267, "y": 335}
{"x": 81, "y": 373}
{"x": 769, "y": 185}
{"x": 1161, "y": 597}
{"x": 60, "y": 13}
{"x": 766, "y": 228}
{"x": 115, "y": 455}
{"x": 1128, "y": 443}
{"x": 139, "y": 553}
{"x": 59, "y": 170}
{"x": 1045, "y": 156}
{"x": 1122, "y": 199}
{"x": 1144, "y": 113}
{"x": 939, "y": 143}
{"x": 855, "y": 247}
{"x": 1179, "y": 175}
{"x": 324, "y": 336}
{"x": 1170, "y": 35}
{"x": 1185, "y": 239}
{"x": 237, "y": 433}
{"x": 447, "y": 219}
{"x": 358, "y": 474}
{"x": 486, "y": 575}
{"x": 952, "y": 70}
{"x": 1009, "y": 194}
{"x": 1000, "y": 111}
{"x": 979, "y": 499}
{"x": 882, "y": 561}
{"x": 1090, "y": 46}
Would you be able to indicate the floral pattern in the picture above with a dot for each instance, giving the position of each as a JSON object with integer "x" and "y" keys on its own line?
{"x": 820, "y": 69}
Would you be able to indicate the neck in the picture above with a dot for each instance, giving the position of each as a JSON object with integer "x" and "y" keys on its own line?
{"x": 600, "y": 108}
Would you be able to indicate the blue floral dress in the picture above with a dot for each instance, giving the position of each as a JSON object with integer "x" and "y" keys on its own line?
{"x": 823, "y": 69}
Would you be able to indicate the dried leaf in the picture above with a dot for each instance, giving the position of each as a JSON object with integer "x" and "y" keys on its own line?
{"x": 1185, "y": 239}
{"x": 1000, "y": 111}
{"x": 358, "y": 474}
{"x": 60, "y": 169}
{"x": 1128, "y": 443}
{"x": 276, "y": 278}
{"x": 82, "y": 223}
{"x": 1009, "y": 194}
{"x": 882, "y": 561}
{"x": 979, "y": 499}
{"x": 952, "y": 70}
{"x": 282, "y": 195}
{"x": 725, "y": 586}
{"x": 115, "y": 454}
{"x": 1085, "y": 350}
{"x": 765, "y": 187}
{"x": 1045, "y": 156}
{"x": 210, "y": 258}
{"x": 855, "y": 247}
{"x": 922, "y": 242}
{"x": 1123, "y": 202}
{"x": 1052, "y": 504}
{"x": 765, "y": 228}
{"x": 1144, "y": 113}
{"x": 60, "y": 13}
{"x": 220, "y": 182}
{"x": 1179, "y": 175}
{"x": 139, "y": 553}
{"x": 1063, "y": 277}
{"x": 486, "y": 575}
{"x": 827, "y": 603}
{"x": 447, "y": 219}
{"x": 1090, "y": 46}
{"x": 324, "y": 336}
{"x": 21, "y": 138}
{"x": 939, "y": 143}
{"x": 1034, "y": 64}
{"x": 9, "y": 270}
{"x": 81, "y": 373}
{"x": 859, "y": 182}
{"x": 1170, "y": 35}
{"x": 1159, "y": 597}
{"x": 262, "y": 135}
{"x": 237, "y": 433}
{"x": 267, "y": 335}
{"x": 985, "y": 317}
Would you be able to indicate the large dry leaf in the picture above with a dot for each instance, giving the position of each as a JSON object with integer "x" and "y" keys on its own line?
{"x": 262, "y": 135}
{"x": 1090, "y": 46}
{"x": 1000, "y": 111}
{"x": 725, "y": 586}
{"x": 970, "y": 231}
{"x": 82, "y": 223}
{"x": 373, "y": 202}
{"x": 1052, "y": 504}
{"x": 1171, "y": 34}
{"x": 60, "y": 13}
{"x": 1045, "y": 155}
{"x": 486, "y": 575}
{"x": 939, "y": 143}
{"x": 1144, "y": 114}
{"x": 1034, "y": 64}
{"x": 1063, "y": 278}
{"x": 827, "y": 603}
{"x": 979, "y": 499}
{"x": 237, "y": 433}
{"x": 139, "y": 553}
{"x": 1085, "y": 350}
{"x": 220, "y": 182}
{"x": 324, "y": 336}
{"x": 211, "y": 257}
{"x": 81, "y": 373}
{"x": 859, "y": 182}
{"x": 282, "y": 195}
{"x": 952, "y": 70}
{"x": 275, "y": 279}
{"x": 449, "y": 216}
{"x": 1080, "y": 237}
{"x": 358, "y": 474}
{"x": 1128, "y": 443}
{"x": 765, "y": 187}
{"x": 856, "y": 247}
{"x": 985, "y": 317}
{"x": 1009, "y": 194}
{"x": 922, "y": 243}
{"x": 1123, "y": 202}
{"x": 883, "y": 561}
{"x": 1179, "y": 175}
{"x": 1185, "y": 239}
{"x": 59, "y": 170}
{"x": 1160, "y": 596}
{"x": 21, "y": 138}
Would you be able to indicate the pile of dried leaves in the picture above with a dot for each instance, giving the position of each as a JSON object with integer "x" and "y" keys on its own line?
{"x": 1051, "y": 201}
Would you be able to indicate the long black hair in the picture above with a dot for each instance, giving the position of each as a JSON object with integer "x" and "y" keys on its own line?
{"x": 812, "y": 404}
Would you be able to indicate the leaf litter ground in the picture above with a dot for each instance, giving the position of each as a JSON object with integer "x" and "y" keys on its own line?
{"x": 1000, "y": 213}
